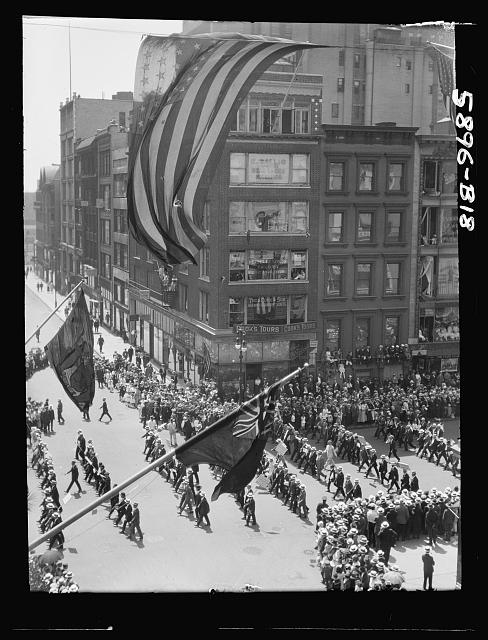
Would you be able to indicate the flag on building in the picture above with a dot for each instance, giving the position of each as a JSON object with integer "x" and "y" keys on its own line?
{"x": 444, "y": 59}
{"x": 186, "y": 95}
{"x": 206, "y": 359}
{"x": 70, "y": 354}
{"x": 235, "y": 442}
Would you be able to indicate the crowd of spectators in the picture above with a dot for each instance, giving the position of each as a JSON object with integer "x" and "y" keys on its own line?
{"x": 35, "y": 360}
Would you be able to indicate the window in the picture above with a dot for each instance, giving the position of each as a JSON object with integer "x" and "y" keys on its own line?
{"x": 105, "y": 228}
{"x": 363, "y": 279}
{"x": 120, "y": 255}
{"x": 392, "y": 324}
{"x": 269, "y": 168}
{"x": 392, "y": 278}
{"x": 357, "y": 113}
{"x": 236, "y": 311}
{"x": 183, "y": 289}
{"x": 121, "y": 118}
{"x": 302, "y": 120}
{"x": 356, "y": 85}
{"x": 334, "y": 110}
{"x": 336, "y": 176}
{"x": 341, "y": 57}
{"x": 449, "y": 226}
{"x": 396, "y": 180}
{"x": 340, "y": 84}
{"x": 106, "y": 263}
{"x": 407, "y": 88}
{"x": 298, "y": 308}
{"x": 393, "y": 226}
{"x": 204, "y": 262}
{"x": 237, "y": 168}
{"x": 362, "y": 333}
{"x": 334, "y": 280}
{"x": 268, "y": 217}
{"x": 449, "y": 176}
{"x": 271, "y": 122}
{"x": 120, "y": 221}
{"x": 265, "y": 116}
{"x": 105, "y": 195}
{"x": 448, "y": 277}
{"x": 431, "y": 88}
{"x": 203, "y": 306}
{"x": 365, "y": 226}
{"x": 446, "y": 325}
{"x": 408, "y": 65}
{"x": 332, "y": 337}
{"x": 104, "y": 160}
{"x": 267, "y": 265}
{"x": 357, "y": 60}
{"x": 120, "y": 185}
{"x": 398, "y": 61}
{"x": 206, "y": 218}
{"x": 429, "y": 225}
{"x": 267, "y": 310}
{"x": 431, "y": 175}
{"x": 366, "y": 176}
{"x": 335, "y": 226}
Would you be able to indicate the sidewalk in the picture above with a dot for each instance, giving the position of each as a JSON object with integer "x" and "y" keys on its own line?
{"x": 112, "y": 342}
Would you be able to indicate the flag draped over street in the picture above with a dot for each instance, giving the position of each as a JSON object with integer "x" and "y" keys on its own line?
{"x": 70, "y": 354}
{"x": 444, "y": 59}
{"x": 235, "y": 442}
{"x": 187, "y": 92}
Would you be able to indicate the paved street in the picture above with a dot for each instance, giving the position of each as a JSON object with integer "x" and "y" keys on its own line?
{"x": 278, "y": 554}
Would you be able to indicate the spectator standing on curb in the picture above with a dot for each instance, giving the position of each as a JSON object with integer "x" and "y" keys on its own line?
{"x": 100, "y": 343}
{"x": 429, "y": 563}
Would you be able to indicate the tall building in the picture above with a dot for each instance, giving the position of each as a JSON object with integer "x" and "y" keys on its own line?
{"x": 437, "y": 284}
{"x": 29, "y": 226}
{"x": 365, "y": 236}
{"x": 101, "y": 179}
{"x": 47, "y": 206}
{"x": 80, "y": 118}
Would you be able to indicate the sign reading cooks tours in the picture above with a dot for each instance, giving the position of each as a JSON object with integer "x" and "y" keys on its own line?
{"x": 299, "y": 327}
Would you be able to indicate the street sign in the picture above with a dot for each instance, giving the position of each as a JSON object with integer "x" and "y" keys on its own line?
{"x": 314, "y": 344}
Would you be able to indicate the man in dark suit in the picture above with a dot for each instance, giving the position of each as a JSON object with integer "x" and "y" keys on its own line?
{"x": 121, "y": 508}
{"x": 55, "y": 493}
{"x": 250, "y": 508}
{"x": 339, "y": 482}
{"x": 105, "y": 412}
{"x": 74, "y": 477}
{"x": 203, "y": 511}
{"x": 372, "y": 463}
{"x": 127, "y": 515}
{"x": 135, "y": 522}
{"x": 80, "y": 445}
{"x": 414, "y": 482}
{"x": 60, "y": 412}
{"x": 429, "y": 563}
{"x": 393, "y": 478}
{"x": 386, "y": 538}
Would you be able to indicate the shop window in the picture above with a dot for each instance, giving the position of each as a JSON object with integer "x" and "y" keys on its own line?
{"x": 267, "y": 310}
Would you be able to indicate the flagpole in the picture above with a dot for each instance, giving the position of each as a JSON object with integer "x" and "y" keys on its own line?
{"x": 167, "y": 456}
{"x": 51, "y": 314}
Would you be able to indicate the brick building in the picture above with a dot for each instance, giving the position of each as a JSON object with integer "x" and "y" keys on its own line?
{"x": 365, "y": 238}
{"x": 79, "y": 119}
{"x": 47, "y": 207}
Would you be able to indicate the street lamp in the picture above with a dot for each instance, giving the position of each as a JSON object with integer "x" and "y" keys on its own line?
{"x": 242, "y": 346}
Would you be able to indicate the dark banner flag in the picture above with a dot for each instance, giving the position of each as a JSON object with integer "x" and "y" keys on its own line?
{"x": 235, "y": 442}
{"x": 444, "y": 59}
{"x": 70, "y": 354}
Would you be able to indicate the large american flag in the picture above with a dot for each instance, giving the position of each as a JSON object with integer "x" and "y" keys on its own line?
{"x": 186, "y": 97}
{"x": 444, "y": 59}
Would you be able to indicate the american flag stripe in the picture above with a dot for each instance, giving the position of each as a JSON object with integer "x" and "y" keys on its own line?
{"x": 174, "y": 159}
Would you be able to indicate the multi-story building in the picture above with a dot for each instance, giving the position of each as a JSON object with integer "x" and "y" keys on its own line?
{"x": 367, "y": 207}
{"x": 29, "y": 226}
{"x": 437, "y": 292}
{"x": 260, "y": 260}
{"x": 101, "y": 174}
{"x": 47, "y": 208}
{"x": 80, "y": 118}
{"x": 371, "y": 72}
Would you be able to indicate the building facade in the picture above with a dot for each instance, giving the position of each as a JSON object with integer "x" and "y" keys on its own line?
{"x": 79, "y": 119}
{"x": 365, "y": 238}
{"x": 437, "y": 285}
{"x": 29, "y": 226}
{"x": 47, "y": 207}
